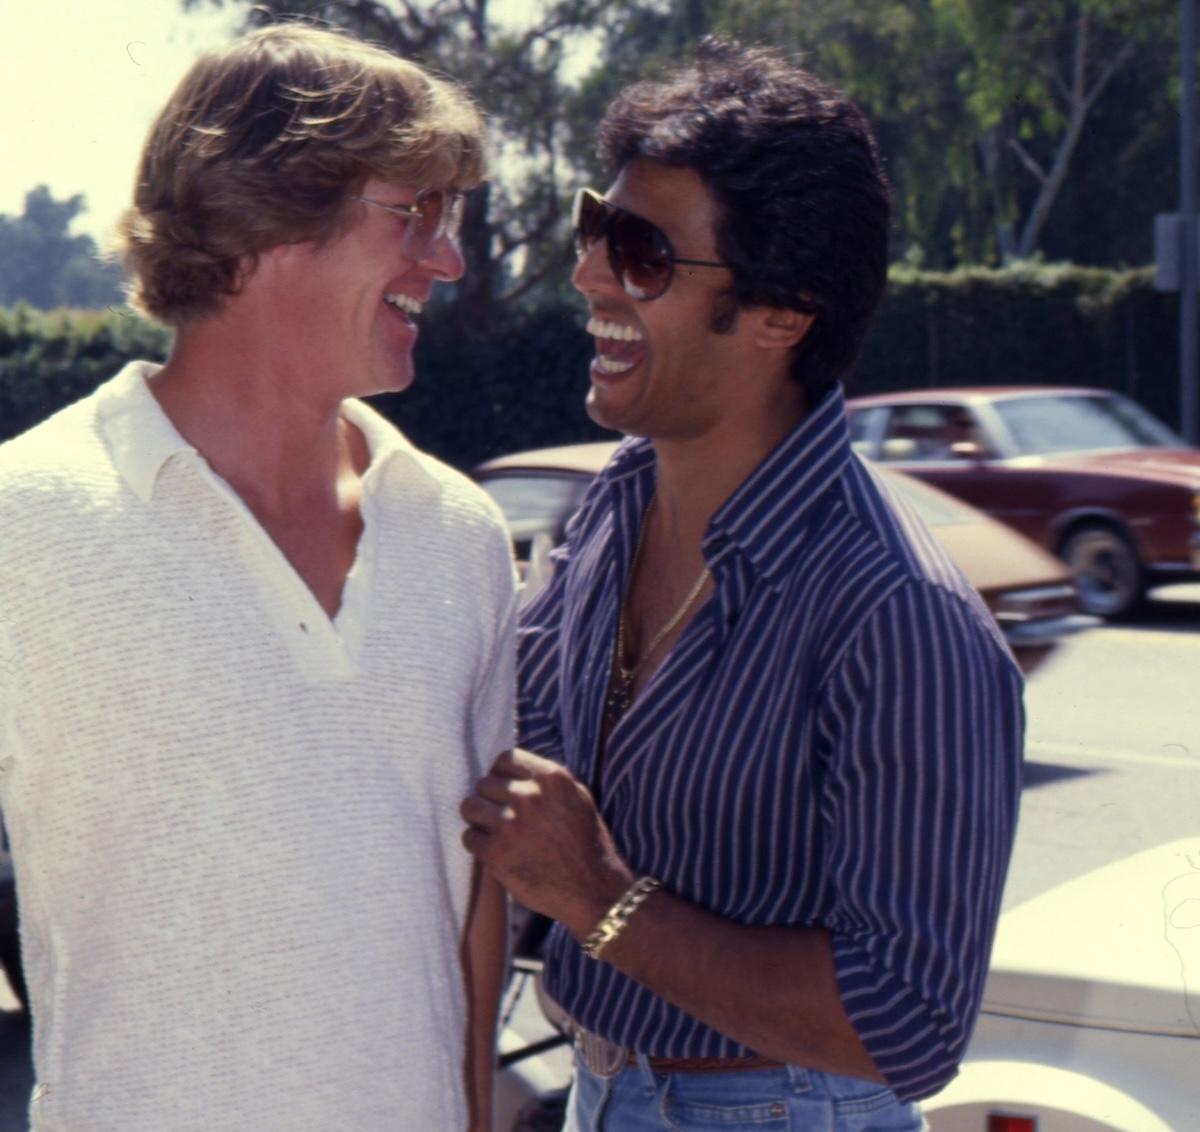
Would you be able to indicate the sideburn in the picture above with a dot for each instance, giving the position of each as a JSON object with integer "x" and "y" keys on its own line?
{"x": 722, "y": 319}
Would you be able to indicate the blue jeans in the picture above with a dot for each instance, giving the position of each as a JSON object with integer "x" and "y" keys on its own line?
{"x": 790, "y": 1099}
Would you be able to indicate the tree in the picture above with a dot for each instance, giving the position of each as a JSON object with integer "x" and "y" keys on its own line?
{"x": 513, "y": 239}
{"x": 46, "y": 267}
{"x": 1035, "y": 73}
{"x": 985, "y": 110}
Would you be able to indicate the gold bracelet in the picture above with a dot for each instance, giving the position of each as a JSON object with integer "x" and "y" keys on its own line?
{"x": 614, "y": 920}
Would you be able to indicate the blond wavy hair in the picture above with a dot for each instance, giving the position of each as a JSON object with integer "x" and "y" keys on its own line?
{"x": 262, "y": 144}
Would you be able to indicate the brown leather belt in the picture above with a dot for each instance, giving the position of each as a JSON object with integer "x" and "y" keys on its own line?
{"x": 607, "y": 1059}
{"x": 706, "y": 1064}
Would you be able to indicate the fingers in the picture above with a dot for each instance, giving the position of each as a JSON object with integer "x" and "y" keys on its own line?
{"x": 522, "y": 764}
{"x": 484, "y": 814}
{"x": 504, "y": 791}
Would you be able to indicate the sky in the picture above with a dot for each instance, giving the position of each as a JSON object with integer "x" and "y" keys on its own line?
{"x": 80, "y": 84}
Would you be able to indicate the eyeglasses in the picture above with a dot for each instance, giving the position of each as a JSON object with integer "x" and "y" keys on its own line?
{"x": 639, "y": 253}
{"x": 434, "y": 214}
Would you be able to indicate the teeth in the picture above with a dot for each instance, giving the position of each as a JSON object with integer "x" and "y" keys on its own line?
{"x": 612, "y": 365}
{"x": 405, "y": 302}
{"x": 614, "y": 330}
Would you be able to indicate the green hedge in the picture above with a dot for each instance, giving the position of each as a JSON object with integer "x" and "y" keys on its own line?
{"x": 1043, "y": 325}
{"x": 50, "y": 358}
{"x": 524, "y": 386}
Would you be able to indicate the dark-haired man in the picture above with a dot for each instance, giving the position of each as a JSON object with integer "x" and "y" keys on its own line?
{"x": 254, "y": 646}
{"x": 778, "y": 735}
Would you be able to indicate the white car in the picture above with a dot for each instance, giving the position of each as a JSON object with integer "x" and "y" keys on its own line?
{"x": 1091, "y": 1014}
{"x": 1090, "y": 1019}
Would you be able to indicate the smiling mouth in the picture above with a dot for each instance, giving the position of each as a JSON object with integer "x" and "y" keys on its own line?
{"x": 618, "y": 346}
{"x": 405, "y": 303}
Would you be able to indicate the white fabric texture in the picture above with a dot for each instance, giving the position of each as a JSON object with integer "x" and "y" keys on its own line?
{"x": 234, "y": 821}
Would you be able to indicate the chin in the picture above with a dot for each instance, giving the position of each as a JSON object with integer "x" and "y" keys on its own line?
{"x": 393, "y": 382}
{"x": 605, "y": 415}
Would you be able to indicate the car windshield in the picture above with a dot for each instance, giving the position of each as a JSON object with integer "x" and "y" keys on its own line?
{"x": 1041, "y": 425}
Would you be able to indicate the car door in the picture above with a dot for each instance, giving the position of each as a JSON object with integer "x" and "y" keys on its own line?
{"x": 949, "y": 445}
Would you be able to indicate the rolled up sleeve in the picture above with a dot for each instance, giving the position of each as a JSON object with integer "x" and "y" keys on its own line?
{"x": 922, "y": 725}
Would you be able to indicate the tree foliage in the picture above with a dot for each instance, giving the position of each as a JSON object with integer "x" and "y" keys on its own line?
{"x": 1010, "y": 128}
{"x": 43, "y": 265}
{"x": 1036, "y": 75}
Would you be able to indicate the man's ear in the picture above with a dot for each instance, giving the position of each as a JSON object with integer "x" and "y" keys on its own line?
{"x": 780, "y": 328}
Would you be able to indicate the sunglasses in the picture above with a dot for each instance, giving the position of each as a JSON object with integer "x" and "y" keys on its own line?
{"x": 639, "y": 253}
{"x": 434, "y": 214}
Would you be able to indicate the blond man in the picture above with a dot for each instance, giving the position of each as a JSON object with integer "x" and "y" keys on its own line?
{"x": 257, "y": 644}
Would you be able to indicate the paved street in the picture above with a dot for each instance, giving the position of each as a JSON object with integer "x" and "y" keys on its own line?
{"x": 1112, "y": 767}
{"x": 1113, "y": 758}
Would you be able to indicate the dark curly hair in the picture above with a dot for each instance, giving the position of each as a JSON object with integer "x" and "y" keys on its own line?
{"x": 803, "y": 202}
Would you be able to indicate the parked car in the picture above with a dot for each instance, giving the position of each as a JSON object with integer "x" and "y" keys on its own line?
{"x": 1030, "y": 592}
{"x": 1091, "y": 1013}
{"x": 1087, "y": 474}
{"x": 1090, "y": 1019}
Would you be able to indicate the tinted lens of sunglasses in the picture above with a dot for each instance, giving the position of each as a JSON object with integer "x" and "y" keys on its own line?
{"x": 640, "y": 255}
{"x": 436, "y": 213}
{"x": 638, "y": 251}
{"x": 589, "y": 220}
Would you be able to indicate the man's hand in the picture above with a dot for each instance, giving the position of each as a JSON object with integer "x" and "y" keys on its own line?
{"x": 536, "y": 829}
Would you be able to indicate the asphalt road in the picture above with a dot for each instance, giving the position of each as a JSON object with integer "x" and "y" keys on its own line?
{"x": 1112, "y": 767}
{"x": 1112, "y": 761}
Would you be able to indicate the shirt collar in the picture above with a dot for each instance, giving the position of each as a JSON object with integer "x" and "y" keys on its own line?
{"x": 142, "y": 439}
{"x": 634, "y": 458}
{"x": 139, "y": 435}
{"x": 765, "y": 517}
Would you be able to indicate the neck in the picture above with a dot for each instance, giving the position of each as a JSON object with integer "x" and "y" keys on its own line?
{"x": 696, "y": 475}
{"x": 262, "y": 430}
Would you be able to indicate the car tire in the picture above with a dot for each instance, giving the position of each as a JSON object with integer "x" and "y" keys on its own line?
{"x": 1107, "y": 570}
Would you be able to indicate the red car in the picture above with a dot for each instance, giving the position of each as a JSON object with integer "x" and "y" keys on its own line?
{"x": 1086, "y": 473}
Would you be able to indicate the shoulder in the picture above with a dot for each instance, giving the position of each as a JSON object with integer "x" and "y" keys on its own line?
{"x": 458, "y": 503}
{"x": 414, "y": 479}
{"x": 61, "y": 463}
{"x": 445, "y": 517}
{"x": 883, "y": 562}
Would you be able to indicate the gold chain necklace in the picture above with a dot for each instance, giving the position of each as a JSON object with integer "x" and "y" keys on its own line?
{"x": 620, "y": 695}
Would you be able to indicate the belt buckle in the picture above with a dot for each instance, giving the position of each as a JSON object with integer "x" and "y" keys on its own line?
{"x": 603, "y": 1058}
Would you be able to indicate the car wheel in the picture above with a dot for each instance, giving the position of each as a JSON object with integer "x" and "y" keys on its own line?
{"x": 1107, "y": 571}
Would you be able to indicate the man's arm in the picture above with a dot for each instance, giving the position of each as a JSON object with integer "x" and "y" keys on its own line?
{"x": 919, "y": 731}
{"x": 536, "y": 829}
{"x": 484, "y": 951}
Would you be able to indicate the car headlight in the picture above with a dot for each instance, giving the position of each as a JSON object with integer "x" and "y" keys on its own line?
{"x": 1036, "y": 603}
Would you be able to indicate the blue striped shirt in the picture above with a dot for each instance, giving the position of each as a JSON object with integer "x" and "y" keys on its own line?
{"x": 834, "y": 741}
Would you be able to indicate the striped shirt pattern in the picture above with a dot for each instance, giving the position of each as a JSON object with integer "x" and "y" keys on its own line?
{"x": 834, "y": 741}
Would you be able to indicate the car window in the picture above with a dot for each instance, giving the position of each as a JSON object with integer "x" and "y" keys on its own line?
{"x": 536, "y": 503}
{"x": 1081, "y": 424}
{"x": 864, "y": 427}
{"x": 917, "y": 433}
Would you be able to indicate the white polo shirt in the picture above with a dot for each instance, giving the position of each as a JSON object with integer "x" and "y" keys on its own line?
{"x": 235, "y": 821}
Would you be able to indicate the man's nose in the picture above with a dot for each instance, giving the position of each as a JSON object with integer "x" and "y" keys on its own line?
{"x": 445, "y": 259}
{"x": 593, "y": 272}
